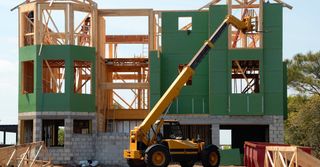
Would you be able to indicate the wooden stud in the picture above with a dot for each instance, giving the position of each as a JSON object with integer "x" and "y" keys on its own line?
{"x": 126, "y": 114}
{"x": 127, "y": 39}
{"x": 151, "y": 27}
{"x": 101, "y": 41}
{"x": 110, "y": 85}
{"x": 124, "y": 12}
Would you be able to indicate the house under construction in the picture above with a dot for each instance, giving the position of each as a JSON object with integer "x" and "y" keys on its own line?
{"x": 79, "y": 95}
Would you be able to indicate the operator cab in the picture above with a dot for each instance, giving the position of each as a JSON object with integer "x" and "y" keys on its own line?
{"x": 171, "y": 129}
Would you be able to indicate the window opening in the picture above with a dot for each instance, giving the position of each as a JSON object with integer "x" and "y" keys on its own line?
{"x": 245, "y": 77}
{"x": 185, "y": 23}
{"x": 82, "y": 126}
{"x": 225, "y": 138}
{"x": 53, "y": 76}
{"x": 53, "y": 132}
{"x": 28, "y": 29}
{"x": 242, "y": 9}
{"x": 82, "y": 77}
{"x": 27, "y": 77}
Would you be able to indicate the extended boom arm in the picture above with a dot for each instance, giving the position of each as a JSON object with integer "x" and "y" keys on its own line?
{"x": 174, "y": 89}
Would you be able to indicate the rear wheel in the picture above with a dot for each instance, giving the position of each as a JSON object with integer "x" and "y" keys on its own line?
{"x": 136, "y": 163}
{"x": 210, "y": 156}
{"x": 187, "y": 163}
{"x": 157, "y": 155}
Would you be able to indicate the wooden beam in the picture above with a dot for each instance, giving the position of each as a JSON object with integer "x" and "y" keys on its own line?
{"x": 243, "y": 74}
{"x": 27, "y": 7}
{"x": 101, "y": 33}
{"x": 245, "y": 6}
{"x": 305, "y": 159}
{"x": 124, "y": 12}
{"x": 127, "y": 114}
{"x": 284, "y": 4}
{"x": 127, "y": 39}
{"x": 123, "y": 100}
{"x": 127, "y": 76}
{"x": 151, "y": 27}
{"x": 109, "y": 85}
{"x": 110, "y": 55}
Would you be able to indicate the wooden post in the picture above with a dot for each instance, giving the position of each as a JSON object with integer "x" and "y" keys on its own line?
{"x": 70, "y": 17}
{"x": 4, "y": 137}
{"x": 151, "y": 30}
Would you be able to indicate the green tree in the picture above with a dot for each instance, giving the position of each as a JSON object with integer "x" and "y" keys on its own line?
{"x": 61, "y": 136}
{"x": 295, "y": 103}
{"x": 304, "y": 73}
{"x": 303, "y": 124}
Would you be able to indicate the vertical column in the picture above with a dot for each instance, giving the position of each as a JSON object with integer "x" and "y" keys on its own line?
{"x": 4, "y": 137}
{"x": 151, "y": 30}
{"x": 215, "y": 135}
{"x": 101, "y": 121}
{"x": 20, "y": 130}
{"x": 36, "y": 23}
{"x": 68, "y": 131}
{"x": 37, "y": 130}
{"x": 276, "y": 130}
{"x": 94, "y": 125}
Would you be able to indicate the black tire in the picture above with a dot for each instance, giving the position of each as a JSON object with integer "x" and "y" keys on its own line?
{"x": 188, "y": 163}
{"x": 136, "y": 163}
{"x": 210, "y": 156}
{"x": 157, "y": 155}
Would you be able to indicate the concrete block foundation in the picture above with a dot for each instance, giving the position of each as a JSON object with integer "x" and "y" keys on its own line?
{"x": 108, "y": 148}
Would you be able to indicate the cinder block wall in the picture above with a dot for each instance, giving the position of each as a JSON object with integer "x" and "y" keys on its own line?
{"x": 107, "y": 148}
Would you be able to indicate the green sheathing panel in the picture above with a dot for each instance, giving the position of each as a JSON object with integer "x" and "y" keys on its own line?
{"x": 178, "y": 47}
{"x": 230, "y": 157}
{"x": 155, "y": 77}
{"x": 27, "y": 102}
{"x": 246, "y": 104}
{"x": 68, "y": 101}
{"x": 211, "y": 88}
{"x": 218, "y": 63}
{"x": 273, "y": 66}
{"x": 269, "y": 101}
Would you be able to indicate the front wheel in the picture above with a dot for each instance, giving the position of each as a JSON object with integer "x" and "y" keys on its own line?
{"x": 210, "y": 156}
{"x": 157, "y": 155}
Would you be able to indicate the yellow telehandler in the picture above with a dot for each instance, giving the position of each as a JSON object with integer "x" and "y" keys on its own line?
{"x": 148, "y": 146}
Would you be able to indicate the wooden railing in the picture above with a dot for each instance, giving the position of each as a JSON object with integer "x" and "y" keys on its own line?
{"x": 32, "y": 154}
{"x": 288, "y": 156}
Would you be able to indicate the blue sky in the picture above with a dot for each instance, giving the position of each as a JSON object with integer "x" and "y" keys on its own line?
{"x": 299, "y": 36}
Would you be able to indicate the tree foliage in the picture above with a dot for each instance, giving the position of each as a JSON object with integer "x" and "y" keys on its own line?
{"x": 61, "y": 136}
{"x": 304, "y": 73}
{"x": 303, "y": 124}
